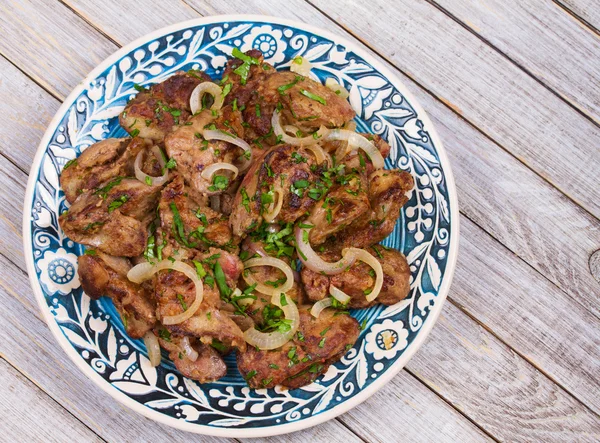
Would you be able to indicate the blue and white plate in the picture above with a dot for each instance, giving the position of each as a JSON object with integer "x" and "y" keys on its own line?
{"x": 91, "y": 332}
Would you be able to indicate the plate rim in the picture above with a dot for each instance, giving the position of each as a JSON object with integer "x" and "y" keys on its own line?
{"x": 262, "y": 431}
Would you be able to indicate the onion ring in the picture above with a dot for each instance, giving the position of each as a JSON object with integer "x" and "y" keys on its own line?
{"x": 273, "y": 340}
{"x": 199, "y": 91}
{"x": 269, "y": 261}
{"x": 144, "y": 271}
{"x": 332, "y": 84}
{"x": 215, "y": 134}
{"x": 143, "y": 177}
{"x": 318, "y": 307}
{"x": 312, "y": 261}
{"x": 367, "y": 258}
{"x": 358, "y": 141}
{"x": 190, "y": 352}
{"x": 208, "y": 172}
{"x": 151, "y": 342}
{"x": 338, "y": 294}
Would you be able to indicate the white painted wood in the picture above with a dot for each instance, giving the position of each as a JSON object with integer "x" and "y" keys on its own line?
{"x": 484, "y": 87}
{"x": 51, "y": 46}
{"x": 487, "y": 380}
{"x": 28, "y": 414}
{"x": 27, "y": 110}
{"x": 512, "y": 26}
{"x": 588, "y": 10}
{"x": 12, "y": 183}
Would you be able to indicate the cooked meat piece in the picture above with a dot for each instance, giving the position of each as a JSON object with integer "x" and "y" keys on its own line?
{"x": 189, "y": 226}
{"x": 154, "y": 112}
{"x": 102, "y": 275}
{"x": 175, "y": 293}
{"x": 99, "y": 163}
{"x": 360, "y": 278}
{"x": 342, "y": 206}
{"x": 302, "y": 99}
{"x": 318, "y": 343}
{"x": 208, "y": 367}
{"x": 193, "y": 154}
{"x": 277, "y": 174}
{"x": 387, "y": 194}
{"x": 112, "y": 218}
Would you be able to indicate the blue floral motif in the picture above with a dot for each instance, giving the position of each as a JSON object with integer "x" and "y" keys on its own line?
{"x": 93, "y": 329}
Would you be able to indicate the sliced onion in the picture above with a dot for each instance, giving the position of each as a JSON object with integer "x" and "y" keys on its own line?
{"x": 275, "y": 207}
{"x": 274, "y": 262}
{"x": 204, "y": 88}
{"x": 273, "y": 340}
{"x": 301, "y": 66}
{"x": 318, "y": 307}
{"x": 320, "y": 155}
{"x": 296, "y": 141}
{"x": 339, "y": 295}
{"x": 190, "y": 352}
{"x": 215, "y": 202}
{"x": 215, "y": 134}
{"x": 151, "y": 342}
{"x": 208, "y": 172}
{"x": 357, "y": 140}
{"x": 142, "y": 176}
{"x": 144, "y": 271}
{"x": 337, "y": 88}
{"x": 367, "y": 258}
{"x": 312, "y": 261}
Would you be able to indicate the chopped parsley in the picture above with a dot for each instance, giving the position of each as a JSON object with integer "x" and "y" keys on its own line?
{"x": 90, "y": 252}
{"x": 117, "y": 203}
{"x": 244, "y": 69}
{"x": 103, "y": 191}
{"x": 218, "y": 345}
{"x": 219, "y": 183}
{"x": 70, "y": 163}
{"x": 250, "y": 374}
{"x": 284, "y": 88}
{"x": 245, "y": 199}
{"x": 164, "y": 334}
{"x": 135, "y": 132}
{"x": 171, "y": 164}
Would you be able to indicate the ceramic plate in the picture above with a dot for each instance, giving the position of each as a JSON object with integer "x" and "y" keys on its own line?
{"x": 91, "y": 332}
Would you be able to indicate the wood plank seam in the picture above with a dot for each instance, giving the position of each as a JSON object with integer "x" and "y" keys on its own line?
{"x": 449, "y": 403}
{"x": 50, "y": 92}
{"x": 447, "y": 105}
{"x": 577, "y": 17}
{"x": 521, "y": 355}
{"x": 574, "y": 106}
{"x": 25, "y": 376}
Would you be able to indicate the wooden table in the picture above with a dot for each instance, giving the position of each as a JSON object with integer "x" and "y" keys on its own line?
{"x": 513, "y": 88}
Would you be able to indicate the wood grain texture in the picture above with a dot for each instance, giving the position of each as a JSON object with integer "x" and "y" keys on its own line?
{"x": 530, "y": 314}
{"x": 28, "y": 414}
{"x": 587, "y": 10}
{"x": 26, "y": 115}
{"x": 512, "y": 26}
{"x": 49, "y": 44}
{"x": 504, "y": 102}
{"x": 12, "y": 182}
{"x": 501, "y": 392}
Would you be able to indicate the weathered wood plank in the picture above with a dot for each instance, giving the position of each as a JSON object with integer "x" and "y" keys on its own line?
{"x": 149, "y": 16}
{"x": 50, "y": 44}
{"x": 28, "y": 414}
{"x": 27, "y": 110}
{"x": 30, "y": 346}
{"x": 12, "y": 182}
{"x": 588, "y": 10}
{"x": 484, "y": 87}
{"x": 488, "y": 381}
{"x": 530, "y": 314}
{"x": 405, "y": 410}
{"x": 564, "y": 56}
